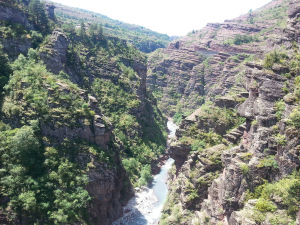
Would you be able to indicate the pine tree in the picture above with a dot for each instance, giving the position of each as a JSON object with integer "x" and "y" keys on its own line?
{"x": 251, "y": 17}
{"x": 82, "y": 32}
{"x": 5, "y": 69}
{"x": 38, "y": 15}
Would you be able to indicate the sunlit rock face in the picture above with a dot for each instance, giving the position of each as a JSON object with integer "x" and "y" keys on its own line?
{"x": 212, "y": 185}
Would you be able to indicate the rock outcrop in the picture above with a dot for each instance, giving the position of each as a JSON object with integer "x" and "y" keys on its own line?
{"x": 210, "y": 62}
{"x": 261, "y": 154}
{"x": 54, "y": 54}
{"x": 14, "y": 15}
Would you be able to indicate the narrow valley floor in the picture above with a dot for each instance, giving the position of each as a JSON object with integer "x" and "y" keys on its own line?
{"x": 146, "y": 206}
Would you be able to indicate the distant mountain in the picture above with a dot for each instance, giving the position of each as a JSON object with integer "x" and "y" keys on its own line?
{"x": 142, "y": 38}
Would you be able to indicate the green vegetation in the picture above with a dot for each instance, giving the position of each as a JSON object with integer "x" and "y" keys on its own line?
{"x": 143, "y": 39}
{"x": 241, "y": 39}
{"x": 45, "y": 160}
{"x": 264, "y": 205}
{"x": 245, "y": 168}
{"x": 297, "y": 87}
{"x": 280, "y": 139}
{"x": 5, "y": 70}
{"x": 295, "y": 65}
{"x": 283, "y": 194}
{"x": 274, "y": 15}
{"x": 295, "y": 117}
{"x": 279, "y": 107}
{"x": 177, "y": 118}
{"x": 212, "y": 123}
{"x": 268, "y": 162}
{"x": 274, "y": 57}
{"x": 43, "y": 184}
{"x": 38, "y": 15}
{"x": 37, "y": 94}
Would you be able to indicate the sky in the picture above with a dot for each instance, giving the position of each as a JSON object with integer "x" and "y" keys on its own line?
{"x": 172, "y": 17}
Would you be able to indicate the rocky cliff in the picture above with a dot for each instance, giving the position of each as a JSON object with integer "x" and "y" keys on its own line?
{"x": 247, "y": 172}
{"x": 210, "y": 62}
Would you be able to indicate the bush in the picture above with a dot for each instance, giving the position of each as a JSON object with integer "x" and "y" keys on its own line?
{"x": 295, "y": 65}
{"x": 245, "y": 168}
{"x": 131, "y": 166}
{"x": 280, "y": 139}
{"x": 145, "y": 175}
{"x": 268, "y": 162}
{"x": 36, "y": 38}
{"x": 264, "y": 205}
{"x": 243, "y": 39}
{"x": 198, "y": 145}
{"x": 274, "y": 57}
{"x": 177, "y": 118}
{"x": 279, "y": 107}
{"x": 295, "y": 117}
{"x": 285, "y": 192}
{"x": 297, "y": 87}
{"x": 40, "y": 183}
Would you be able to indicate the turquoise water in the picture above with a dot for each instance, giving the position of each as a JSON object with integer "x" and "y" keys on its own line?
{"x": 146, "y": 206}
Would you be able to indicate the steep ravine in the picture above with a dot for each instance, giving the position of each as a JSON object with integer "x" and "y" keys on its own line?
{"x": 146, "y": 206}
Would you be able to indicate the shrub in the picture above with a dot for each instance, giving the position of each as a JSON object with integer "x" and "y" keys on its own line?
{"x": 243, "y": 39}
{"x": 131, "y": 166}
{"x": 295, "y": 117}
{"x": 145, "y": 175}
{"x": 177, "y": 118}
{"x": 245, "y": 168}
{"x": 295, "y": 65}
{"x": 297, "y": 87}
{"x": 279, "y": 107}
{"x": 192, "y": 195}
{"x": 280, "y": 139}
{"x": 197, "y": 145}
{"x": 285, "y": 192}
{"x": 264, "y": 205}
{"x": 36, "y": 38}
{"x": 274, "y": 57}
{"x": 268, "y": 162}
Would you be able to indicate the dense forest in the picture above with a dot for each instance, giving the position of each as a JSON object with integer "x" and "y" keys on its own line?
{"x": 73, "y": 106}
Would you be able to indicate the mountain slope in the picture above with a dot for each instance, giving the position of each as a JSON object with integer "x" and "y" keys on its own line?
{"x": 210, "y": 61}
{"x": 236, "y": 156}
{"x": 142, "y": 38}
{"x": 78, "y": 129}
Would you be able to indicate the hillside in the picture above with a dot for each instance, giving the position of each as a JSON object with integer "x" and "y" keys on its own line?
{"x": 83, "y": 117}
{"x": 233, "y": 88}
{"x": 211, "y": 61}
{"x": 78, "y": 129}
{"x": 142, "y": 38}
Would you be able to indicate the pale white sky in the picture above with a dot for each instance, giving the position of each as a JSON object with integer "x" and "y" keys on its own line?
{"x": 172, "y": 17}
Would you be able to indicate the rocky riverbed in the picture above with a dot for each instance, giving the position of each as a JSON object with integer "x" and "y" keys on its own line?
{"x": 146, "y": 206}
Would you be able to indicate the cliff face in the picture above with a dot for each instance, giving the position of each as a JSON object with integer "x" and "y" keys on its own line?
{"x": 251, "y": 174}
{"x": 210, "y": 62}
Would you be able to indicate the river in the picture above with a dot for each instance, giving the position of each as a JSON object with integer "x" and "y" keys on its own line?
{"x": 146, "y": 206}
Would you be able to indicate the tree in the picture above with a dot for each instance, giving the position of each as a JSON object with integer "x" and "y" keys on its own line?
{"x": 82, "y": 32}
{"x": 251, "y": 17}
{"x": 38, "y": 15}
{"x": 5, "y": 69}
